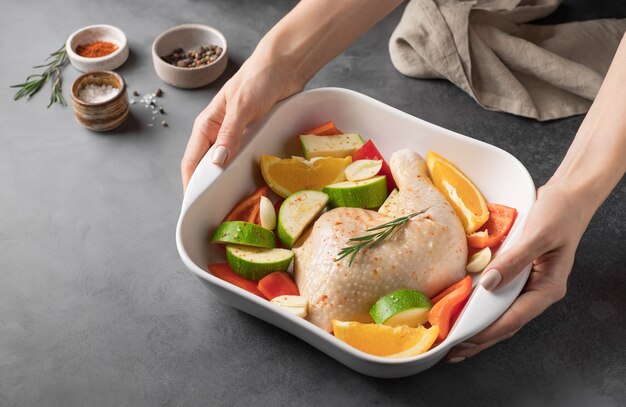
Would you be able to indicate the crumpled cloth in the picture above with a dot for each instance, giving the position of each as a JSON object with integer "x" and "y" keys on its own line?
{"x": 486, "y": 48}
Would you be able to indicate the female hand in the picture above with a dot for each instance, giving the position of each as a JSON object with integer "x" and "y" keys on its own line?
{"x": 283, "y": 62}
{"x": 248, "y": 95}
{"x": 591, "y": 168}
{"x": 551, "y": 235}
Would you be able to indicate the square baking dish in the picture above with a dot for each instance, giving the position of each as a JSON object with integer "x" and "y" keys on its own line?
{"x": 213, "y": 191}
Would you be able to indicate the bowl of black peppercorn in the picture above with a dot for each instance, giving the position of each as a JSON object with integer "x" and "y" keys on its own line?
{"x": 190, "y": 55}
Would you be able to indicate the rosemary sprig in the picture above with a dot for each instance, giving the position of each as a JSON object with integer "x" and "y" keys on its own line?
{"x": 52, "y": 73}
{"x": 383, "y": 232}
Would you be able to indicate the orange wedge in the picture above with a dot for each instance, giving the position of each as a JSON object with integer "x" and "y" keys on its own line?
{"x": 382, "y": 340}
{"x": 289, "y": 175}
{"x": 466, "y": 199}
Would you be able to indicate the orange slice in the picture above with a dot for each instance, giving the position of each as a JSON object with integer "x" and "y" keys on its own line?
{"x": 466, "y": 199}
{"x": 289, "y": 175}
{"x": 382, "y": 340}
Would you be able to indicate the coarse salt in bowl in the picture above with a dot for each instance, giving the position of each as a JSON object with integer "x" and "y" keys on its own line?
{"x": 100, "y": 100}
{"x": 93, "y": 93}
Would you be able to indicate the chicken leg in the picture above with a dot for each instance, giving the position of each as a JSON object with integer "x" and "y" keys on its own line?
{"x": 428, "y": 254}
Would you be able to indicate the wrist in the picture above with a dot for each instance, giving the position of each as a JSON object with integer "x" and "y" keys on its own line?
{"x": 276, "y": 68}
{"x": 581, "y": 198}
{"x": 276, "y": 51}
{"x": 316, "y": 31}
{"x": 590, "y": 170}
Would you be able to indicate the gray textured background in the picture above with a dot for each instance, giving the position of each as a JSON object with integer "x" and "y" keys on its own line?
{"x": 97, "y": 309}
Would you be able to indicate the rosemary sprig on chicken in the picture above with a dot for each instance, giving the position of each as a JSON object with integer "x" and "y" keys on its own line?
{"x": 383, "y": 232}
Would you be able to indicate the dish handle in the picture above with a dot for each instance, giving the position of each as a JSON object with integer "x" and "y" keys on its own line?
{"x": 204, "y": 175}
{"x": 485, "y": 308}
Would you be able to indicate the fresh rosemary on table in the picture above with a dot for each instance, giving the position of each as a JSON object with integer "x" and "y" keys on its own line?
{"x": 52, "y": 73}
{"x": 383, "y": 232}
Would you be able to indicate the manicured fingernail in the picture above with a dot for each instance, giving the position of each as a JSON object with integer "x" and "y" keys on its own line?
{"x": 466, "y": 345}
{"x": 490, "y": 279}
{"x": 219, "y": 155}
{"x": 456, "y": 359}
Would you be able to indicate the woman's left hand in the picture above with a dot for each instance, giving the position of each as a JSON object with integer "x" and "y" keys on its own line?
{"x": 592, "y": 167}
{"x": 553, "y": 230}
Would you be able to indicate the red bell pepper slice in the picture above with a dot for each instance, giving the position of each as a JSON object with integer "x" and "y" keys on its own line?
{"x": 326, "y": 129}
{"x": 496, "y": 229}
{"x": 278, "y": 204}
{"x": 448, "y": 290}
{"x": 249, "y": 208}
{"x": 368, "y": 151}
{"x": 448, "y": 304}
{"x": 277, "y": 283}
{"x": 224, "y": 272}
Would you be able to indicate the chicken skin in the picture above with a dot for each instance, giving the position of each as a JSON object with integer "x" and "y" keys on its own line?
{"x": 428, "y": 254}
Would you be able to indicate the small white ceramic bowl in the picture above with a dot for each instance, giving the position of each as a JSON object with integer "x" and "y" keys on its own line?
{"x": 212, "y": 191}
{"x": 189, "y": 37}
{"x": 92, "y": 33}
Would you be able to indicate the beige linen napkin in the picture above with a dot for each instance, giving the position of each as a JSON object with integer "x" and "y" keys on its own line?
{"x": 485, "y": 48}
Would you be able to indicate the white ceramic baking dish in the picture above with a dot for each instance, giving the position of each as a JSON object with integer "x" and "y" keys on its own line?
{"x": 213, "y": 191}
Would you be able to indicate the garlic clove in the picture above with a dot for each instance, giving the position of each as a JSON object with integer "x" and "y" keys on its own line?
{"x": 296, "y": 304}
{"x": 363, "y": 169}
{"x": 479, "y": 261}
{"x": 267, "y": 213}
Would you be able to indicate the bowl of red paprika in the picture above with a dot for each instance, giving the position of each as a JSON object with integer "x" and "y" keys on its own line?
{"x": 99, "y": 47}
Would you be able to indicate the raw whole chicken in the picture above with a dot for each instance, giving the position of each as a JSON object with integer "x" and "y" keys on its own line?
{"x": 428, "y": 254}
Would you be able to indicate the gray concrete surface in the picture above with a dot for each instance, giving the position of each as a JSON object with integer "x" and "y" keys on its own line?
{"x": 96, "y": 308}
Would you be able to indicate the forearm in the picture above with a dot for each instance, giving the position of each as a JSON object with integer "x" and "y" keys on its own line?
{"x": 316, "y": 31}
{"x": 596, "y": 160}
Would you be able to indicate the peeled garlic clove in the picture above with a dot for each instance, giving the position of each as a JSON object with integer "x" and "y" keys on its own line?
{"x": 296, "y": 301}
{"x": 296, "y": 304}
{"x": 363, "y": 169}
{"x": 267, "y": 213}
{"x": 479, "y": 261}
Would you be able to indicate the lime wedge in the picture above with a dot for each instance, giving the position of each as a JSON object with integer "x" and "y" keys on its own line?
{"x": 403, "y": 307}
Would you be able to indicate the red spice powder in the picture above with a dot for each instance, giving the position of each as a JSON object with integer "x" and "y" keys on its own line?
{"x": 96, "y": 49}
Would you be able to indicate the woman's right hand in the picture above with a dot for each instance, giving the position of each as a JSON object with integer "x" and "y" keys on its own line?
{"x": 247, "y": 96}
{"x": 312, "y": 34}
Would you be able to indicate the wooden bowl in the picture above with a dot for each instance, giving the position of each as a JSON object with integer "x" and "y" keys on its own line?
{"x": 189, "y": 37}
{"x": 100, "y": 116}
